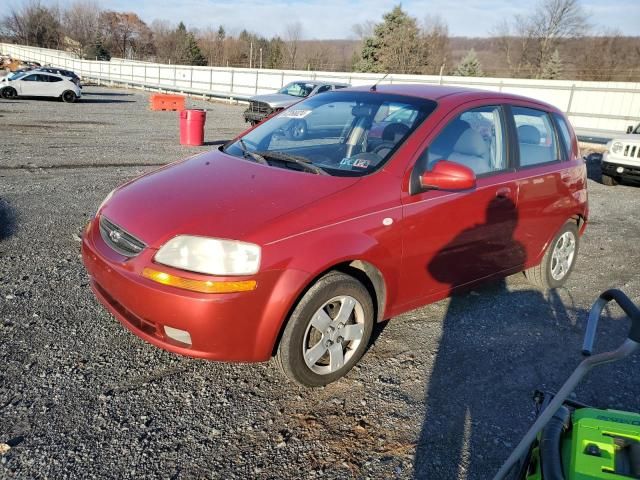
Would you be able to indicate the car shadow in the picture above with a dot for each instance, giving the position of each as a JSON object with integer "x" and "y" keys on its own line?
{"x": 488, "y": 361}
{"x": 8, "y": 220}
{"x": 107, "y": 94}
{"x": 103, "y": 100}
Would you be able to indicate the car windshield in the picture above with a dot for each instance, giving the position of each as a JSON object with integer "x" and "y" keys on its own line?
{"x": 297, "y": 89}
{"x": 338, "y": 133}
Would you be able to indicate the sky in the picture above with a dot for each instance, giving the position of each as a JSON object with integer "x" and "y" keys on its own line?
{"x": 333, "y": 19}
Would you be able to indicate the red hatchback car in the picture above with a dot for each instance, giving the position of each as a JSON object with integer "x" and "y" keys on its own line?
{"x": 294, "y": 245}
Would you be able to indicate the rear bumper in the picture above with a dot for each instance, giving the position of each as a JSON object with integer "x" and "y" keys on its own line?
{"x": 229, "y": 327}
{"x": 630, "y": 172}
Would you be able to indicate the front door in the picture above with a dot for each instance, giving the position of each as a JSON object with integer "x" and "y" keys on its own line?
{"x": 452, "y": 239}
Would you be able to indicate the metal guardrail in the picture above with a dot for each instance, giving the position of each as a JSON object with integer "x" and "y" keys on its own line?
{"x": 596, "y": 106}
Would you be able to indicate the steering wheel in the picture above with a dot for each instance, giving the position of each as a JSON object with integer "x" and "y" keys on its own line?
{"x": 380, "y": 149}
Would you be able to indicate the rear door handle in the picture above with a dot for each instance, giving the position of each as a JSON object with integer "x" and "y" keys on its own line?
{"x": 504, "y": 192}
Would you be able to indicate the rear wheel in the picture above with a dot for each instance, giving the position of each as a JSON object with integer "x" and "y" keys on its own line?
{"x": 558, "y": 260}
{"x": 609, "y": 181}
{"x": 69, "y": 97}
{"x": 327, "y": 332}
{"x": 9, "y": 92}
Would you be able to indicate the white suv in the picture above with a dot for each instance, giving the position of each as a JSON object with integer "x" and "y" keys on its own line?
{"x": 40, "y": 84}
{"x": 622, "y": 158}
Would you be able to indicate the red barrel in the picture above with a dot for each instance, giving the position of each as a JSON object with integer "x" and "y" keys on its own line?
{"x": 192, "y": 127}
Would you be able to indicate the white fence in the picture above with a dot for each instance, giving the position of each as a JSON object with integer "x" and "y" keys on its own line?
{"x": 603, "y": 107}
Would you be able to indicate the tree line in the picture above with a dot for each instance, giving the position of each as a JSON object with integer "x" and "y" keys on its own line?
{"x": 554, "y": 40}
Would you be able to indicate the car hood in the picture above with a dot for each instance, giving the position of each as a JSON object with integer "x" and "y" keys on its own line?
{"x": 215, "y": 195}
{"x": 277, "y": 100}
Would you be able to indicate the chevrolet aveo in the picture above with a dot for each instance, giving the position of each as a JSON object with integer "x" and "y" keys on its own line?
{"x": 293, "y": 246}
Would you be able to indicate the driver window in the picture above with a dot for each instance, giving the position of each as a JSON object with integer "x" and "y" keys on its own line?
{"x": 474, "y": 139}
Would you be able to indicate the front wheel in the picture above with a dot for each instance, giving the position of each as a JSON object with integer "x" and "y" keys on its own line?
{"x": 9, "y": 92}
{"x": 327, "y": 332}
{"x": 69, "y": 97}
{"x": 558, "y": 260}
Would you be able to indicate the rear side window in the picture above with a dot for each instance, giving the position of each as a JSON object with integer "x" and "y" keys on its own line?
{"x": 565, "y": 134}
{"x": 536, "y": 136}
{"x": 54, "y": 79}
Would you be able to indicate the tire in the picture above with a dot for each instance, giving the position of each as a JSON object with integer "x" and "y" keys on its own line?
{"x": 559, "y": 259}
{"x": 9, "y": 92}
{"x": 323, "y": 336}
{"x": 69, "y": 97}
{"x": 297, "y": 130}
{"x": 609, "y": 181}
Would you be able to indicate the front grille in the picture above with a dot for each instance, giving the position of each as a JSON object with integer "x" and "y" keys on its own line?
{"x": 259, "y": 107}
{"x": 120, "y": 240}
{"x": 631, "y": 151}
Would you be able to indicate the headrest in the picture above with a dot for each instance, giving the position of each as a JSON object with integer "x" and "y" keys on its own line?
{"x": 529, "y": 134}
{"x": 394, "y": 132}
{"x": 471, "y": 143}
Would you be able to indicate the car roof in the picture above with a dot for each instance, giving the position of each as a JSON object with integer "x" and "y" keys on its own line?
{"x": 458, "y": 94}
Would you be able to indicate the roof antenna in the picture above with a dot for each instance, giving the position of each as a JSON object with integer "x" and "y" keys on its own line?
{"x": 373, "y": 88}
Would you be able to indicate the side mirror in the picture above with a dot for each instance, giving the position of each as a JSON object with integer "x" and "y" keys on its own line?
{"x": 446, "y": 175}
{"x": 630, "y": 129}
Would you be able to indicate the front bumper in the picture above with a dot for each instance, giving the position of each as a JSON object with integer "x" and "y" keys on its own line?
{"x": 254, "y": 117}
{"x": 229, "y": 327}
{"x": 629, "y": 172}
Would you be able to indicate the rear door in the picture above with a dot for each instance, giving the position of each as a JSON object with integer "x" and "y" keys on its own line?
{"x": 453, "y": 239}
{"x": 55, "y": 86}
{"x": 550, "y": 181}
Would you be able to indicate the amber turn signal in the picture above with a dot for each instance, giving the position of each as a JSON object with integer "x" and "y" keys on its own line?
{"x": 201, "y": 286}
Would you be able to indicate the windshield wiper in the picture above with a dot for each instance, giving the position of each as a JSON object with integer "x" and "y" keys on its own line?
{"x": 248, "y": 154}
{"x": 288, "y": 158}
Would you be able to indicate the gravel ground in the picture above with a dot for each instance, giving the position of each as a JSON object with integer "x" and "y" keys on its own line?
{"x": 444, "y": 391}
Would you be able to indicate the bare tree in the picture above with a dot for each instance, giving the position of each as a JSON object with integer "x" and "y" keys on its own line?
{"x": 126, "y": 35}
{"x": 363, "y": 30}
{"x": 292, "y": 37}
{"x": 34, "y": 24}
{"x": 529, "y": 41}
{"x": 435, "y": 41}
{"x": 81, "y": 21}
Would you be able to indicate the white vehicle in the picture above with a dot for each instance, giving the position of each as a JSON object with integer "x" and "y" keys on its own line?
{"x": 621, "y": 161}
{"x": 40, "y": 84}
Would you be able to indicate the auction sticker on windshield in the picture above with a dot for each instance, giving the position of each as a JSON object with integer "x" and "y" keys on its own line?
{"x": 295, "y": 113}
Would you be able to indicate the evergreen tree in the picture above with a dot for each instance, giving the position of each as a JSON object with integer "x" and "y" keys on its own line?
{"x": 187, "y": 50}
{"x": 394, "y": 46}
{"x": 97, "y": 51}
{"x": 553, "y": 67}
{"x": 276, "y": 53}
{"x": 469, "y": 66}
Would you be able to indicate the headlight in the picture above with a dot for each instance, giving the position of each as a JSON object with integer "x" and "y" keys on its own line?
{"x": 616, "y": 147}
{"x": 106, "y": 199}
{"x": 210, "y": 255}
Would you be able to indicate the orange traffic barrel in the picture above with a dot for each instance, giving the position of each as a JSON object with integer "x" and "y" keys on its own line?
{"x": 192, "y": 127}
{"x": 160, "y": 101}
